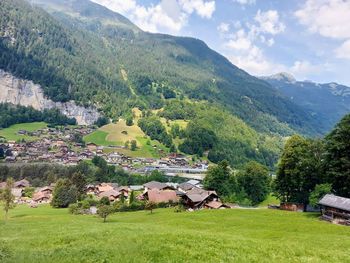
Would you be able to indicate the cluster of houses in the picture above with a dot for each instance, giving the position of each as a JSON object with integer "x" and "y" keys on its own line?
{"x": 59, "y": 146}
{"x": 51, "y": 145}
{"x": 190, "y": 194}
{"x": 40, "y": 195}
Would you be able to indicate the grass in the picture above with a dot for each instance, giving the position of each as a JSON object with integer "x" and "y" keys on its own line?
{"x": 119, "y": 133}
{"x": 98, "y": 137}
{"x": 270, "y": 200}
{"x": 11, "y": 133}
{"x": 243, "y": 235}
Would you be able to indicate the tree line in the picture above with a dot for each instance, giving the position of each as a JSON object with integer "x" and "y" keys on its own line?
{"x": 309, "y": 168}
{"x": 12, "y": 114}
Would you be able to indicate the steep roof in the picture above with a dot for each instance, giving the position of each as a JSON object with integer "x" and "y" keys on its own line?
{"x": 21, "y": 183}
{"x": 155, "y": 185}
{"x": 110, "y": 193}
{"x": 336, "y": 202}
{"x": 215, "y": 204}
{"x": 197, "y": 195}
{"x": 159, "y": 196}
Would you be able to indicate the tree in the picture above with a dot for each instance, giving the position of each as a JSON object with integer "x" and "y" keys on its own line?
{"x": 220, "y": 179}
{"x": 299, "y": 170}
{"x": 79, "y": 181}
{"x": 255, "y": 181}
{"x": 172, "y": 149}
{"x": 129, "y": 121}
{"x": 126, "y": 144}
{"x": 105, "y": 201}
{"x": 101, "y": 121}
{"x": 7, "y": 198}
{"x": 133, "y": 145}
{"x": 132, "y": 197}
{"x": 338, "y": 157}
{"x": 320, "y": 191}
{"x": 2, "y": 153}
{"x": 104, "y": 211}
{"x": 64, "y": 194}
{"x": 150, "y": 205}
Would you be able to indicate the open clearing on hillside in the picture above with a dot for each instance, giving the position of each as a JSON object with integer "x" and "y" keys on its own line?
{"x": 45, "y": 235}
{"x": 11, "y": 133}
{"x": 115, "y": 134}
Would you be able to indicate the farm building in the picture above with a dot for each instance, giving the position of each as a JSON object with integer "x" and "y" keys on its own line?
{"x": 335, "y": 209}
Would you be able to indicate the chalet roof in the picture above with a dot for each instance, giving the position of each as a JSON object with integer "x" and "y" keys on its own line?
{"x": 40, "y": 196}
{"x": 110, "y": 193}
{"x": 197, "y": 195}
{"x": 193, "y": 182}
{"x": 136, "y": 187}
{"x": 155, "y": 185}
{"x": 215, "y": 204}
{"x": 159, "y": 196}
{"x": 104, "y": 187}
{"x": 186, "y": 186}
{"x": 336, "y": 202}
{"x": 22, "y": 183}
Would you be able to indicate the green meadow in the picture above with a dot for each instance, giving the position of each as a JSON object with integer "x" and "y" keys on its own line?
{"x": 11, "y": 133}
{"x": 45, "y": 235}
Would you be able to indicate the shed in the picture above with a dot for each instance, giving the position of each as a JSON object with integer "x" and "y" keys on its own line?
{"x": 335, "y": 209}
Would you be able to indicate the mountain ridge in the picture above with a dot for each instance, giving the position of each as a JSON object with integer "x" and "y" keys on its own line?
{"x": 328, "y": 102}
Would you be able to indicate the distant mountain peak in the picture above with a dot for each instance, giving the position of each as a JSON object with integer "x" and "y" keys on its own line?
{"x": 282, "y": 76}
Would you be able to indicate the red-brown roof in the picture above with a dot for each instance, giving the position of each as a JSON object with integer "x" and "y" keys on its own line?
{"x": 159, "y": 196}
{"x": 215, "y": 205}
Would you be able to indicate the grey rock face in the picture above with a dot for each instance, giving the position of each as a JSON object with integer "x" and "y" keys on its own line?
{"x": 26, "y": 93}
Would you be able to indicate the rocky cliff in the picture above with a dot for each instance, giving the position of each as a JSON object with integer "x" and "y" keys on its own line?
{"x": 26, "y": 93}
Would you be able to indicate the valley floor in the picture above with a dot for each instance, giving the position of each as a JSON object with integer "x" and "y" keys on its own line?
{"x": 45, "y": 234}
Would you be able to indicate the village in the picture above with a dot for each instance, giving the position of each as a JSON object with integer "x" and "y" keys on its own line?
{"x": 65, "y": 146}
{"x": 191, "y": 194}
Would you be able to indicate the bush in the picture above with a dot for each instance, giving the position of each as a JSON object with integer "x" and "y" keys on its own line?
{"x": 74, "y": 209}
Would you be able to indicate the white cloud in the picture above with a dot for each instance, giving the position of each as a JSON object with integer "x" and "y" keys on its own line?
{"x": 202, "y": 8}
{"x": 223, "y": 28}
{"x": 168, "y": 16}
{"x": 245, "y": 2}
{"x": 243, "y": 46}
{"x": 269, "y": 22}
{"x": 329, "y": 18}
{"x": 344, "y": 50}
{"x": 121, "y": 6}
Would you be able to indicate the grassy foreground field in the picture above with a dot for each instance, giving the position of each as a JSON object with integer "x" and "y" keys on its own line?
{"x": 51, "y": 235}
{"x": 11, "y": 133}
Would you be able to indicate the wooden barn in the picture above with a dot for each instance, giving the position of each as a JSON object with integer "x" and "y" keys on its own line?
{"x": 335, "y": 209}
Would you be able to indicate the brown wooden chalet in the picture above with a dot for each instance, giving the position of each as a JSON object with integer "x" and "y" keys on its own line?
{"x": 197, "y": 198}
{"x": 335, "y": 209}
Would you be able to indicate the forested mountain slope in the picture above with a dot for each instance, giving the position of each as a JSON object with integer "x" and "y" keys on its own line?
{"x": 326, "y": 102}
{"x": 82, "y": 51}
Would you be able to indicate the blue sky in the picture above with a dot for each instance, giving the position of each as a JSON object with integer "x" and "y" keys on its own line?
{"x": 307, "y": 38}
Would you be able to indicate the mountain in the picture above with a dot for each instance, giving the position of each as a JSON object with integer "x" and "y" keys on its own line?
{"x": 79, "y": 50}
{"x": 328, "y": 103}
{"x": 76, "y": 50}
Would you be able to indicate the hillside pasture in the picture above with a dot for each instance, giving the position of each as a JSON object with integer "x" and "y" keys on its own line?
{"x": 116, "y": 134}
{"x": 11, "y": 133}
{"x": 45, "y": 235}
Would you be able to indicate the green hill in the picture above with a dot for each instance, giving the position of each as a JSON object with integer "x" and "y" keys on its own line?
{"x": 79, "y": 50}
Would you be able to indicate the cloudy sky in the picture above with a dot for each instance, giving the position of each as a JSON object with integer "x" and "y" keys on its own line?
{"x": 308, "y": 38}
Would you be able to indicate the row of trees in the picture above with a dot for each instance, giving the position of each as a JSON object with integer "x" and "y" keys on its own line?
{"x": 250, "y": 186}
{"x": 12, "y": 114}
{"x": 309, "y": 168}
